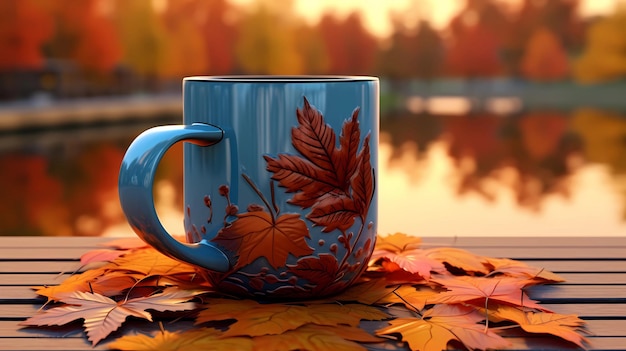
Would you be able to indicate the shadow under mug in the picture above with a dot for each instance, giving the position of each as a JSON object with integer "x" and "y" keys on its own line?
{"x": 279, "y": 182}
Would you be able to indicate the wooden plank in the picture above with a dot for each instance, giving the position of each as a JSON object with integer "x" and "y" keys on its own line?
{"x": 569, "y": 266}
{"x": 585, "y": 311}
{"x": 596, "y": 328}
{"x": 50, "y": 344}
{"x": 590, "y": 278}
{"x": 42, "y": 267}
{"x": 60, "y": 336}
{"x": 48, "y": 248}
{"x": 578, "y": 293}
{"x": 463, "y": 242}
{"x": 36, "y": 279}
{"x": 519, "y": 253}
{"x": 544, "y": 293}
{"x": 42, "y": 253}
{"x": 18, "y": 311}
{"x": 52, "y": 241}
{"x": 591, "y": 310}
{"x": 32, "y": 279}
{"x": 526, "y": 241}
{"x": 19, "y": 294}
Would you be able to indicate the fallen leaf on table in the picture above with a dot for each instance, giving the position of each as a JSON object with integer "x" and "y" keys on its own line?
{"x": 397, "y": 243}
{"x": 313, "y": 337}
{"x": 478, "y": 290}
{"x": 129, "y": 243}
{"x": 189, "y": 340}
{"x": 150, "y": 262}
{"x": 366, "y": 292}
{"x": 461, "y": 259}
{"x": 103, "y": 315}
{"x": 255, "y": 319}
{"x": 442, "y": 324}
{"x": 567, "y": 327}
{"x": 518, "y": 269}
{"x": 77, "y": 282}
{"x": 414, "y": 298}
{"x": 412, "y": 261}
{"x": 100, "y": 255}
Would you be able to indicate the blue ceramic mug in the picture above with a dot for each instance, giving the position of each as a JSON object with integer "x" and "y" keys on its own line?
{"x": 279, "y": 182}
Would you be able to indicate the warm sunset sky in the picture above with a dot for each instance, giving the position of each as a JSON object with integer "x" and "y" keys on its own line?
{"x": 375, "y": 12}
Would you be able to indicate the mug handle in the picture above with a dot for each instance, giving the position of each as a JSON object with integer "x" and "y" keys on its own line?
{"x": 135, "y": 185}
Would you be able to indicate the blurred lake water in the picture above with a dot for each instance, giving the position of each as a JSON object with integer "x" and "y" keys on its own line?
{"x": 539, "y": 173}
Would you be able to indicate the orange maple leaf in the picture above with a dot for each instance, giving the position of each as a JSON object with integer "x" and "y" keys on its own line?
{"x": 461, "y": 259}
{"x": 103, "y": 315}
{"x": 258, "y": 234}
{"x": 442, "y": 324}
{"x": 313, "y": 337}
{"x": 397, "y": 242}
{"x": 193, "y": 339}
{"x": 77, "y": 282}
{"x": 255, "y": 319}
{"x": 563, "y": 326}
{"x": 150, "y": 262}
{"x": 479, "y": 290}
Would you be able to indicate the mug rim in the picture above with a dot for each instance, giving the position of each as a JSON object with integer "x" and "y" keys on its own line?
{"x": 282, "y": 78}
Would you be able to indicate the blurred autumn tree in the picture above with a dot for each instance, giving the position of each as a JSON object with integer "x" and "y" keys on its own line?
{"x": 412, "y": 53}
{"x": 220, "y": 32}
{"x": 544, "y": 58}
{"x": 84, "y": 34}
{"x": 559, "y": 17}
{"x": 267, "y": 42}
{"x": 604, "y": 57}
{"x": 351, "y": 48}
{"x": 143, "y": 37}
{"x": 474, "y": 47}
{"x": 24, "y": 27}
{"x": 540, "y": 150}
{"x": 186, "y": 54}
{"x": 30, "y": 197}
{"x": 477, "y": 150}
{"x": 604, "y": 136}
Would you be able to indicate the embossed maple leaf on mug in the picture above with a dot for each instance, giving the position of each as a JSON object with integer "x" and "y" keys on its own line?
{"x": 335, "y": 182}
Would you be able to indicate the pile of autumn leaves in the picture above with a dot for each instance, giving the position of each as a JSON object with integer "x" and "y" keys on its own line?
{"x": 426, "y": 298}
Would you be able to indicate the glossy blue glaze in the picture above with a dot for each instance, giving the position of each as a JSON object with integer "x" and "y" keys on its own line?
{"x": 254, "y": 118}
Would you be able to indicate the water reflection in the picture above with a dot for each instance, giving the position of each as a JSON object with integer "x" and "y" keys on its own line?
{"x": 541, "y": 173}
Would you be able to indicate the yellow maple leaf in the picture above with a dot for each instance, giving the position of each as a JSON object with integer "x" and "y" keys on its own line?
{"x": 255, "y": 319}
{"x": 77, "y": 282}
{"x": 189, "y": 340}
{"x": 442, "y": 324}
{"x": 150, "y": 262}
{"x": 103, "y": 315}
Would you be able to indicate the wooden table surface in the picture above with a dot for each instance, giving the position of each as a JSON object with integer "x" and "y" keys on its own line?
{"x": 595, "y": 270}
